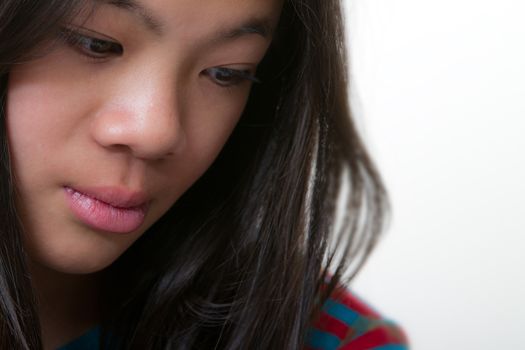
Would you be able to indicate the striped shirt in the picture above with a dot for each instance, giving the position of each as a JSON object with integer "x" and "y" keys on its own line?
{"x": 345, "y": 323}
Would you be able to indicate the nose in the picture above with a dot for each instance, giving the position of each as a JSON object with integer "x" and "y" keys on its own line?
{"x": 145, "y": 121}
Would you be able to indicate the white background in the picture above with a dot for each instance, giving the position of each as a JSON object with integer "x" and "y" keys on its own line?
{"x": 439, "y": 91}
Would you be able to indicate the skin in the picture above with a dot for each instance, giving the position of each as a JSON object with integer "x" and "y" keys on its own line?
{"x": 151, "y": 118}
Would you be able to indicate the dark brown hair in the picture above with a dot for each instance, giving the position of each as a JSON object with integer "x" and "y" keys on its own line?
{"x": 240, "y": 259}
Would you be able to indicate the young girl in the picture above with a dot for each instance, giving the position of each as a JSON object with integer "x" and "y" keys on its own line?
{"x": 169, "y": 178}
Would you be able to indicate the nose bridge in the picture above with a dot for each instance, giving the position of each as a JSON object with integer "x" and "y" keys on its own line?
{"x": 144, "y": 114}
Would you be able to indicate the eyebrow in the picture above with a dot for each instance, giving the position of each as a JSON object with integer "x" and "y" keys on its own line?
{"x": 256, "y": 26}
{"x": 137, "y": 9}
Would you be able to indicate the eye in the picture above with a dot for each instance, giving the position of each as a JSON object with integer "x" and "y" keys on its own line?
{"x": 227, "y": 77}
{"x": 91, "y": 46}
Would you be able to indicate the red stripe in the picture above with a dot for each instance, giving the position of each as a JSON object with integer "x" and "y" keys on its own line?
{"x": 332, "y": 325}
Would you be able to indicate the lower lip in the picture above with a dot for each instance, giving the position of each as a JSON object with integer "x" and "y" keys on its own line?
{"x": 102, "y": 216}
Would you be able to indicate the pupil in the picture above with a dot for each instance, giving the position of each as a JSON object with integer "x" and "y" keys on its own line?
{"x": 99, "y": 46}
{"x": 224, "y": 75}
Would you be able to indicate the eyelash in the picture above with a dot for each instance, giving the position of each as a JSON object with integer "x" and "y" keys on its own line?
{"x": 85, "y": 45}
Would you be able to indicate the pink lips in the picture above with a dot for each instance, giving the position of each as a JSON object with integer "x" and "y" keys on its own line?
{"x": 111, "y": 209}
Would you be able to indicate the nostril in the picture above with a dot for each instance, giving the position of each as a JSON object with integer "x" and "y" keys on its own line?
{"x": 120, "y": 148}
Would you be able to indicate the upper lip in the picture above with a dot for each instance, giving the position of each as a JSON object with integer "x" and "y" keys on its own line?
{"x": 116, "y": 196}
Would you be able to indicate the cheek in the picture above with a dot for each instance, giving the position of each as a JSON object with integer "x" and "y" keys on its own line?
{"x": 34, "y": 121}
{"x": 28, "y": 108}
{"x": 211, "y": 123}
{"x": 207, "y": 130}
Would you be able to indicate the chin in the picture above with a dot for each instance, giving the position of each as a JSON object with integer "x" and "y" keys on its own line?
{"x": 78, "y": 261}
{"x": 76, "y": 267}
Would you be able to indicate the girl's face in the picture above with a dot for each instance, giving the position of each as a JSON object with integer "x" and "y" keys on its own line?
{"x": 128, "y": 109}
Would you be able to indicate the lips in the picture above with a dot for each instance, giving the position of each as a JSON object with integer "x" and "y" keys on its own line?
{"x": 111, "y": 209}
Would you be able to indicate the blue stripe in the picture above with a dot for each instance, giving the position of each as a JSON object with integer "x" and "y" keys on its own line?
{"x": 361, "y": 325}
{"x": 320, "y": 340}
{"x": 87, "y": 341}
{"x": 340, "y": 311}
{"x": 391, "y": 347}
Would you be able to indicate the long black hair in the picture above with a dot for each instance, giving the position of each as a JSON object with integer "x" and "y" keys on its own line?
{"x": 246, "y": 256}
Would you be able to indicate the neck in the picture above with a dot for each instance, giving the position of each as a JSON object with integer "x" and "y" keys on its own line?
{"x": 68, "y": 304}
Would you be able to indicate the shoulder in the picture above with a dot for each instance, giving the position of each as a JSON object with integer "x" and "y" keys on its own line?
{"x": 347, "y": 323}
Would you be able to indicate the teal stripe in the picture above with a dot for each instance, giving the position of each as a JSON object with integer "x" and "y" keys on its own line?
{"x": 87, "y": 341}
{"x": 320, "y": 340}
{"x": 360, "y": 326}
{"x": 340, "y": 311}
{"x": 392, "y": 347}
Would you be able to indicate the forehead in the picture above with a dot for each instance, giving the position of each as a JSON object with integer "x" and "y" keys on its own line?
{"x": 161, "y": 16}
